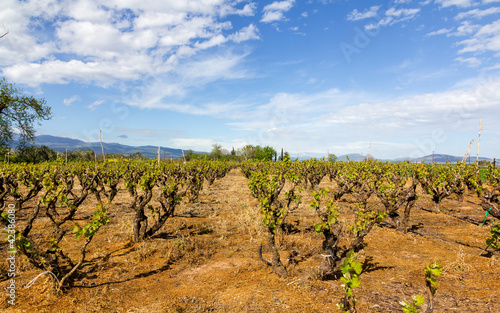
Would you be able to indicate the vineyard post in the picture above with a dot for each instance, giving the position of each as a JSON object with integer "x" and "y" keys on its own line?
{"x": 478, "y": 140}
{"x": 494, "y": 161}
{"x": 102, "y": 148}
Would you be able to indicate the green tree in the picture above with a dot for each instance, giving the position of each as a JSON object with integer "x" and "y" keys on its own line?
{"x": 188, "y": 154}
{"x": 21, "y": 112}
{"x": 81, "y": 155}
{"x": 34, "y": 154}
{"x": 247, "y": 152}
{"x": 332, "y": 157}
{"x": 217, "y": 151}
{"x": 264, "y": 153}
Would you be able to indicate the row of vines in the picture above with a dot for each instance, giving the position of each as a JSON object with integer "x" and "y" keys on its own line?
{"x": 376, "y": 192}
{"x": 56, "y": 191}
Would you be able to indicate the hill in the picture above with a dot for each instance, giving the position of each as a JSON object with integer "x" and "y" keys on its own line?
{"x": 60, "y": 144}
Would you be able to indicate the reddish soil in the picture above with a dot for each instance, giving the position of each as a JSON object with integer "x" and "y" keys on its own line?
{"x": 205, "y": 260}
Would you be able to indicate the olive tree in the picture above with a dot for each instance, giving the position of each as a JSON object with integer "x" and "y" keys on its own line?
{"x": 19, "y": 111}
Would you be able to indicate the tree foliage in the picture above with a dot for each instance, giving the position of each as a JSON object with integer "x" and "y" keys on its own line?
{"x": 19, "y": 111}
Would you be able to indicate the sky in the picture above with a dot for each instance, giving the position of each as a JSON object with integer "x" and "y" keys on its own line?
{"x": 390, "y": 78}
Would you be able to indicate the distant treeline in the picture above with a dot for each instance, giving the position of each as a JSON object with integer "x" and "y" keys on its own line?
{"x": 37, "y": 154}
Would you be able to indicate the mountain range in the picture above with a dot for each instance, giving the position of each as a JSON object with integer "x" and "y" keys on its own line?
{"x": 60, "y": 144}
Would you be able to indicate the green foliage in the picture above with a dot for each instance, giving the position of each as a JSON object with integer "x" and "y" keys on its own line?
{"x": 217, "y": 152}
{"x": 80, "y": 155}
{"x": 21, "y": 112}
{"x": 432, "y": 271}
{"x": 99, "y": 219}
{"x": 416, "y": 301}
{"x": 332, "y": 211}
{"x": 34, "y": 154}
{"x": 332, "y": 158}
{"x": 351, "y": 269}
{"x": 365, "y": 218}
{"x": 494, "y": 240}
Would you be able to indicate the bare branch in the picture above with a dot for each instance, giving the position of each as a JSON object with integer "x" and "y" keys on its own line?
{"x": 4, "y": 34}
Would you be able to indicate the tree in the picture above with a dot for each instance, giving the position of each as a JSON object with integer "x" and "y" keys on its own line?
{"x": 332, "y": 157}
{"x": 81, "y": 155}
{"x": 247, "y": 152}
{"x": 217, "y": 152}
{"x": 34, "y": 154}
{"x": 264, "y": 153}
{"x": 20, "y": 111}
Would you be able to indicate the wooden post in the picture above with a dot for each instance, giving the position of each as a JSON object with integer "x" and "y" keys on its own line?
{"x": 478, "y": 140}
{"x": 158, "y": 154}
{"x": 67, "y": 156}
{"x": 102, "y": 148}
{"x": 494, "y": 161}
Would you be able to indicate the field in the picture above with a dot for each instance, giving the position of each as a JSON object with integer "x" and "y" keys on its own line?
{"x": 204, "y": 259}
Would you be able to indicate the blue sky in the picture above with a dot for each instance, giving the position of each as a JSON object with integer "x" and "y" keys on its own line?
{"x": 401, "y": 78}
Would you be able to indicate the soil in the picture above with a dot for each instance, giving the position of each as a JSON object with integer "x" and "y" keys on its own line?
{"x": 205, "y": 260}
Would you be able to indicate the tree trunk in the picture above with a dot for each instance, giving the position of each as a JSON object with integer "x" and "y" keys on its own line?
{"x": 140, "y": 224}
{"x": 277, "y": 266}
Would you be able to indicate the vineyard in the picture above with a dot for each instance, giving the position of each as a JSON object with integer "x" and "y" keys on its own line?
{"x": 256, "y": 236}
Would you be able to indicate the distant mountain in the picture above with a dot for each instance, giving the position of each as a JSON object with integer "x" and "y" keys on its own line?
{"x": 62, "y": 143}
{"x": 356, "y": 157}
{"x": 442, "y": 158}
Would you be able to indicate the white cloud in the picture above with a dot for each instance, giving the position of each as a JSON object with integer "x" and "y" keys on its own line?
{"x": 274, "y": 12}
{"x": 303, "y": 122}
{"x": 458, "y": 3}
{"x": 471, "y": 62}
{"x": 477, "y": 13}
{"x": 97, "y": 41}
{"x": 487, "y": 38}
{"x": 439, "y": 32}
{"x": 69, "y": 101}
{"x": 247, "y": 10}
{"x": 393, "y": 16}
{"x": 355, "y": 15}
{"x": 466, "y": 28}
{"x": 250, "y": 32}
{"x": 94, "y": 105}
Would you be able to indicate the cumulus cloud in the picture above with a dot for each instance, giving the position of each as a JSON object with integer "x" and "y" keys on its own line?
{"x": 97, "y": 41}
{"x": 303, "y": 122}
{"x": 274, "y": 12}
